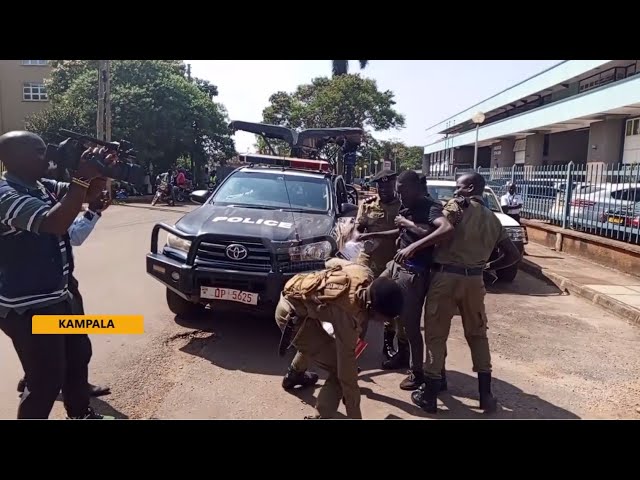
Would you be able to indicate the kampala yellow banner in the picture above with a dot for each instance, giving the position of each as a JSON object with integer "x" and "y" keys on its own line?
{"x": 89, "y": 324}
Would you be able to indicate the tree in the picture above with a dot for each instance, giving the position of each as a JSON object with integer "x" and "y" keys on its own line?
{"x": 153, "y": 105}
{"x": 341, "y": 67}
{"x": 343, "y": 101}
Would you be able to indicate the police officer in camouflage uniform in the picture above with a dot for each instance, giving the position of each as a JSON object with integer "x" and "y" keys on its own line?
{"x": 345, "y": 297}
{"x": 457, "y": 285}
{"x": 377, "y": 214}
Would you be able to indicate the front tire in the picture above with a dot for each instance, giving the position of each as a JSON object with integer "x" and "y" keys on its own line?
{"x": 181, "y": 307}
{"x": 507, "y": 275}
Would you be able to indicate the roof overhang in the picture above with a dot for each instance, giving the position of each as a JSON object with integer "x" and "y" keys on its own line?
{"x": 546, "y": 79}
{"x": 580, "y": 111}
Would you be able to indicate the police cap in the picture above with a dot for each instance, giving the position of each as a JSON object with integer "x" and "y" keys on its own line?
{"x": 384, "y": 176}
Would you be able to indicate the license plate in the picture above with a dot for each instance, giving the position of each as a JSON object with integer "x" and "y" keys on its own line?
{"x": 614, "y": 220}
{"x": 229, "y": 294}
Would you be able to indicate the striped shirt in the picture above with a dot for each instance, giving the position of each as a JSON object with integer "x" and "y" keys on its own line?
{"x": 23, "y": 207}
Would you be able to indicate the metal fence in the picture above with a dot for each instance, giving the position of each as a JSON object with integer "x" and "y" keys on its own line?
{"x": 598, "y": 199}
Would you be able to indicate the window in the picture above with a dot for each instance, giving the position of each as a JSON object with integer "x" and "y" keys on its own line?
{"x": 34, "y": 92}
{"x": 545, "y": 146}
{"x": 274, "y": 191}
{"x": 633, "y": 127}
{"x": 35, "y": 62}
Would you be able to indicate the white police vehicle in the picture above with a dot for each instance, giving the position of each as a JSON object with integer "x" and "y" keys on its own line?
{"x": 443, "y": 190}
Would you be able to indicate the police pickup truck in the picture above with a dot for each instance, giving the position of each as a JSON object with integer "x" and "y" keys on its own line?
{"x": 267, "y": 221}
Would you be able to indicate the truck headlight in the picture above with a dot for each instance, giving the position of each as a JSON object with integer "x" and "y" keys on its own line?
{"x": 311, "y": 251}
{"x": 516, "y": 234}
{"x": 178, "y": 243}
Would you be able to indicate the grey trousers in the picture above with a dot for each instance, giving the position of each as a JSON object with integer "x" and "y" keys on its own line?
{"x": 414, "y": 289}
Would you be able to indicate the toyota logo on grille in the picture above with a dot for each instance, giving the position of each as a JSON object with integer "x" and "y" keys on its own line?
{"x": 236, "y": 252}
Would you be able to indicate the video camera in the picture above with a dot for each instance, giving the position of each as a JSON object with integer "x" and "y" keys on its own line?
{"x": 68, "y": 152}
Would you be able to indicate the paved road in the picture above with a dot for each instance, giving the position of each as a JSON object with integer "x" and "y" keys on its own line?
{"x": 555, "y": 355}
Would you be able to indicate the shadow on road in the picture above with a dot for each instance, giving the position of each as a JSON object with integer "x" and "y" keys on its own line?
{"x": 237, "y": 342}
{"x": 513, "y": 403}
{"x": 525, "y": 284}
{"x": 103, "y": 408}
{"x": 250, "y": 343}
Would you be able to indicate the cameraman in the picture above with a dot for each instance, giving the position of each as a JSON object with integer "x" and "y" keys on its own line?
{"x": 80, "y": 229}
{"x": 35, "y": 258}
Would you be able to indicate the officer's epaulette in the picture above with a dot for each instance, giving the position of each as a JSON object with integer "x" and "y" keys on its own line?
{"x": 370, "y": 200}
{"x": 462, "y": 202}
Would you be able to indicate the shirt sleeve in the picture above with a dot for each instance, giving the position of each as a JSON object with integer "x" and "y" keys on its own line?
{"x": 361, "y": 219}
{"x": 59, "y": 189}
{"x": 22, "y": 212}
{"x": 435, "y": 212}
{"x": 452, "y": 211}
{"x": 504, "y": 201}
{"x": 81, "y": 228}
{"x": 346, "y": 336}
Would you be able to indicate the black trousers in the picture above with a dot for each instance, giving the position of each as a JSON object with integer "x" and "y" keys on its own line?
{"x": 51, "y": 363}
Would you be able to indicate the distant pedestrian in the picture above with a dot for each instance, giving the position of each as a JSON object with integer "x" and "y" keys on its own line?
{"x": 511, "y": 202}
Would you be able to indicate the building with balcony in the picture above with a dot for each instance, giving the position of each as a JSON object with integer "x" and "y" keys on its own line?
{"x": 581, "y": 111}
{"x": 22, "y": 91}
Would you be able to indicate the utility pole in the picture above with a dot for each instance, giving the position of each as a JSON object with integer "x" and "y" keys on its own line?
{"x": 103, "y": 121}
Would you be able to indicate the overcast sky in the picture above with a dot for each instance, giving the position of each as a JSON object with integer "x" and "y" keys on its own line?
{"x": 426, "y": 91}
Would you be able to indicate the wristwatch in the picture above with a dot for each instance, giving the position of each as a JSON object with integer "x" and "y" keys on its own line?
{"x": 89, "y": 215}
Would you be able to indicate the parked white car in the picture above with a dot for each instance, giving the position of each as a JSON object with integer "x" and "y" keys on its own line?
{"x": 443, "y": 190}
{"x": 606, "y": 206}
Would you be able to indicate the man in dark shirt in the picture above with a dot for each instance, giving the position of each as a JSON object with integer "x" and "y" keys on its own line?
{"x": 419, "y": 218}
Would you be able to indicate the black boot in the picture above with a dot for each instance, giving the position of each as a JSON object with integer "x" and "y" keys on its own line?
{"x": 303, "y": 379}
{"x": 443, "y": 382}
{"x": 400, "y": 360}
{"x": 426, "y": 397}
{"x": 387, "y": 344}
{"x": 488, "y": 402}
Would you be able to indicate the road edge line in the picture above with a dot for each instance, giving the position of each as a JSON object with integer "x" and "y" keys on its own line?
{"x": 626, "y": 312}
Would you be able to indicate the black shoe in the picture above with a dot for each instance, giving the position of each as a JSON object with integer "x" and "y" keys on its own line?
{"x": 488, "y": 402}
{"x": 94, "y": 390}
{"x": 98, "y": 391}
{"x": 91, "y": 415}
{"x": 426, "y": 397}
{"x": 303, "y": 379}
{"x": 413, "y": 381}
{"x": 443, "y": 381}
{"x": 400, "y": 360}
{"x": 387, "y": 344}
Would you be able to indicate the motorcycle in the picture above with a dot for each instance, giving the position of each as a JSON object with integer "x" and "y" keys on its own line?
{"x": 163, "y": 194}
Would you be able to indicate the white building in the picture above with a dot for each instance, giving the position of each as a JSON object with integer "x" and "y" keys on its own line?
{"x": 585, "y": 111}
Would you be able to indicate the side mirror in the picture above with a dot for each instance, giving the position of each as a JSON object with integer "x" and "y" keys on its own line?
{"x": 348, "y": 210}
{"x": 199, "y": 196}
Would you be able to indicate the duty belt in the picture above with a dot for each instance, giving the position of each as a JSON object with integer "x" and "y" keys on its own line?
{"x": 469, "y": 272}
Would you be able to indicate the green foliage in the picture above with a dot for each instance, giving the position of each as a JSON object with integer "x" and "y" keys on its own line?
{"x": 153, "y": 105}
{"x": 341, "y": 67}
{"x": 343, "y": 101}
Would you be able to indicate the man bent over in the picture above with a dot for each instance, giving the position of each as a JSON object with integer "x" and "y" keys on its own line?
{"x": 346, "y": 296}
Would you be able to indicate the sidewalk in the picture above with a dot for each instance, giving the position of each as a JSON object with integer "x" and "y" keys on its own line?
{"x": 614, "y": 291}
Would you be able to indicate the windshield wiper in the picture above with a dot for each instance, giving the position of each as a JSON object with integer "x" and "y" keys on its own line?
{"x": 303, "y": 210}
{"x": 258, "y": 207}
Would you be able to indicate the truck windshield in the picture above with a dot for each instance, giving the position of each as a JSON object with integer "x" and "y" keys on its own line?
{"x": 271, "y": 190}
{"x": 445, "y": 193}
